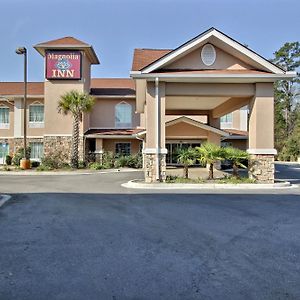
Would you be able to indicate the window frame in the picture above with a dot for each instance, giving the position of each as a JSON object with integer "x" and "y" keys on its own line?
{"x": 36, "y": 124}
{"x": 5, "y": 125}
{"x": 123, "y": 154}
{"x": 227, "y": 124}
{"x": 42, "y": 151}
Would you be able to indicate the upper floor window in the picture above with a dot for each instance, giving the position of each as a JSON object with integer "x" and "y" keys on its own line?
{"x": 123, "y": 115}
{"x": 4, "y": 117}
{"x": 36, "y": 115}
{"x": 226, "y": 121}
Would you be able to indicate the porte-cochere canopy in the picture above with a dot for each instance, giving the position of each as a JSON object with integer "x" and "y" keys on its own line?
{"x": 210, "y": 75}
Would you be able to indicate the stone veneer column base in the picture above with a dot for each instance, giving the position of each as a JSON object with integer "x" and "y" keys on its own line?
{"x": 150, "y": 167}
{"x": 261, "y": 168}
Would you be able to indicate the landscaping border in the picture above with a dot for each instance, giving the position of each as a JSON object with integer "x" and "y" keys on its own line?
{"x": 64, "y": 173}
{"x": 139, "y": 184}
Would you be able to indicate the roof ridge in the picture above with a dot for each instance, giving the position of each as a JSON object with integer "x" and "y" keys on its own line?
{"x": 154, "y": 49}
{"x": 62, "y": 38}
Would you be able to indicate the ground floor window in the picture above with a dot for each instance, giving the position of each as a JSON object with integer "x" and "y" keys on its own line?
{"x": 174, "y": 148}
{"x": 37, "y": 150}
{"x": 4, "y": 150}
{"x": 226, "y": 144}
{"x": 123, "y": 148}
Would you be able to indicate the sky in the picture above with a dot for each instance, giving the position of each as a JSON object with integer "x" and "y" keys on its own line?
{"x": 115, "y": 27}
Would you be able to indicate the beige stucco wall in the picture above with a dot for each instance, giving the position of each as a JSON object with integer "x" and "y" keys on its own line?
{"x": 236, "y": 119}
{"x": 56, "y": 123}
{"x": 103, "y": 113}
{"x": 34, "y": 131}
{"x": 223, "y": 61}
{"x": 214, "y": 138}
{"x": 10, "y": 131}
{"x": 184, "y": 129}
{"x": 151, "y": 121}
{"x": 210, "y": 89}
{"x": 261, "y": 119}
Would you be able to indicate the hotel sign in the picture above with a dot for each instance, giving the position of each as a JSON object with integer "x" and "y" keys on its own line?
{"x": 63, "y": 64}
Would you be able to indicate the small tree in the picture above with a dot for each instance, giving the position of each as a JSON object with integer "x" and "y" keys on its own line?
{"x": 186, "y": 157}
{"x": 208, "y": 154}
{"x": 75, "y": 103}
{"x": 237, "y": 157}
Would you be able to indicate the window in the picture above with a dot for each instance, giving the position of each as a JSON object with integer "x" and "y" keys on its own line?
{"x": 4, "y": 150}
{"x": 226, "y": 121}
{"x": 123, "y": 115}
{"x": 208, "y": 54}
{"x": 4, "y": 117}
{"x": 123, "y": 148}
{"x": 36, "y": 115}
{"x": 37, "y": 150}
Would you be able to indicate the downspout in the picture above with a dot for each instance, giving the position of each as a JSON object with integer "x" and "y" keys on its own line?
{"x": 158, "y": 129}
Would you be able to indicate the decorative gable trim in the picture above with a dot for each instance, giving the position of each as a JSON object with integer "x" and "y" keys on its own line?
{"x": 201, "y": 39}
{"x": 197, "y": 124}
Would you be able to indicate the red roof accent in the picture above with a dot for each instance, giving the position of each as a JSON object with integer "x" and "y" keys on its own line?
{"x": 144, "y": 57}
{"x": 236, "y": 132}
{"x": 112, "y": 83}
{"x": 99, "y": 86}
{"x": 67, "y": 40}
{"x": 108, "y": 132}
{"x": 17, "y": 88}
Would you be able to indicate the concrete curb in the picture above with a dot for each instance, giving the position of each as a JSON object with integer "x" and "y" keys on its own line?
{"x": 138, "y": 184}
{"x": 70, "y": 173}
{"x": 3, "y": 199}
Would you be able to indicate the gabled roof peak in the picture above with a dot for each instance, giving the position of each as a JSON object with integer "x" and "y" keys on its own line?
{"x": 67, "y": 40}
{"x": 219, "y": 39}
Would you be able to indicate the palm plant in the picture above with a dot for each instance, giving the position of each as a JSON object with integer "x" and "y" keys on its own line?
{"x": 208, "y": 154}
{"x": 75, "y": 103}
{"x": 187, "y": 158}
{"x": 237, "y": 156}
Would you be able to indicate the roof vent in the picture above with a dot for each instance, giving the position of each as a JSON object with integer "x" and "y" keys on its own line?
{"x": 208, "y": 54}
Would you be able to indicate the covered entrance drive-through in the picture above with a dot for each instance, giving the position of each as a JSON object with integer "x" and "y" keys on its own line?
{"x": 211, "y": 76}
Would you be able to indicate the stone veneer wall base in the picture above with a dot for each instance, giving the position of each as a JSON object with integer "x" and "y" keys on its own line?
{"x": 62, "y": 144}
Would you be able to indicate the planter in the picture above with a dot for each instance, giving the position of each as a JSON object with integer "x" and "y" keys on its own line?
{"x": 25, "y": 164}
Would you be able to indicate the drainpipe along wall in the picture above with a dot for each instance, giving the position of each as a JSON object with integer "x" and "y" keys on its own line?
{"x": 158, "y": 128}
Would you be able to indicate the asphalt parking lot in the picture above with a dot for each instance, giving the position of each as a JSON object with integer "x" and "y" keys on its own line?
{"x": 86, "y": 237}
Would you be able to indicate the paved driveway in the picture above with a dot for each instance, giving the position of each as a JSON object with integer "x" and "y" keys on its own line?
{"x": 85, "y": 237}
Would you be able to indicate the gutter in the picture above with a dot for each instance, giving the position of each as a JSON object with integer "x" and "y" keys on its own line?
{"x": 207, "y": 76}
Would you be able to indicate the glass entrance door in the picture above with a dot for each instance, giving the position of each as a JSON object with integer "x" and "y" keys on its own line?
{"x": 174, "y": 147}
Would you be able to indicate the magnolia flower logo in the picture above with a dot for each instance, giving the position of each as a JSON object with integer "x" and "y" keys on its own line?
{"x": 63, "y": 64}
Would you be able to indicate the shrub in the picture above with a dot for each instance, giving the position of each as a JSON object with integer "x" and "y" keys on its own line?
{"x": 55, "y": 160}
{"x": 238, "y": 158}
{"x": 81, "y": 164}
{"x": 130, "y": 161}
{"x": 108, "y": 160}
{"x": 43, "y": 168}
{"x": 8, "y": 160}
{"x": 96, "y": 166}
